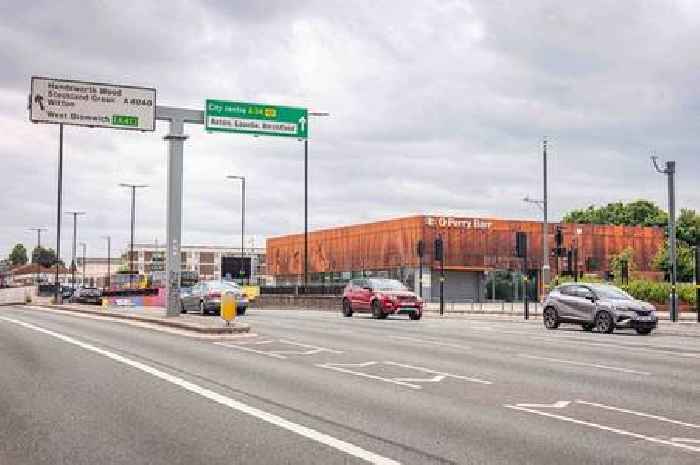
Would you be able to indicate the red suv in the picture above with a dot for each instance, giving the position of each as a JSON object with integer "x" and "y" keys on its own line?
{"x": 381, "y": 297}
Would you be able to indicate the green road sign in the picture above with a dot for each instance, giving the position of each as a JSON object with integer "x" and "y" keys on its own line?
{"x": 256, "y": 118}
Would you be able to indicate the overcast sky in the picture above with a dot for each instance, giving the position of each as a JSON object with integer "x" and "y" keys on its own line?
{"x": 436, "y": 107}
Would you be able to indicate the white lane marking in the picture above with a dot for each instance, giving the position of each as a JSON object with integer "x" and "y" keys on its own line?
{"x": 639, "y": 414}
{"x": 605, "y": 428}
{"x": 651, "y": 349}
{"x": 687, "y": 440}
{"x": 301, "y": 430}
{"x": 584, "y": 364}
{"x": 557, "y": 404}
{"x": 343, "y": 368}
{"x": 448, "y": 375}
{"x": 250, "y": 349}
{"x": 428, "y": 341}
{"x": 279, "y": 353}
{"x": 434, "y": 379}
{"x": 312, "y": 349}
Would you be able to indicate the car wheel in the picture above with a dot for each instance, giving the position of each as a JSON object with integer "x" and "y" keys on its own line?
{"x": 347, "y": 308}
{"x": 604, "y": 322}
{"x": 202, "y": 310}
{"x": 644, "y": 331}
{"x": 550, "y": 318}
{"x": 415, "y": 315}
{"x": 588, "y": 326}
{"x": 377, "y": 310}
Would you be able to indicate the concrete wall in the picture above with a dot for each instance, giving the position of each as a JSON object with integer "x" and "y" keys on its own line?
{"x": 15, "y": 295}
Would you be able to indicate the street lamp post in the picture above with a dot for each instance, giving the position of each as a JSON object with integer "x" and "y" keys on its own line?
{"x": 84, "y": 246}
{"x": 306, "y": 202}
{"x": 38, "y": 247}
{"x": 108, "y": 281}
{"x": 545, "y": 256}
{"x": 242, "y": 179}
{"x": 670, "y": 172}
{"x": 75, "y": 236}
{"x": 133, "y": 188}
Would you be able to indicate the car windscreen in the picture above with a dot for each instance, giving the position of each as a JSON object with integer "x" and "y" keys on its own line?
{"x": 611, "y": 292}
{"x": 386, "y": 285}
{"x": 222, "y": 286}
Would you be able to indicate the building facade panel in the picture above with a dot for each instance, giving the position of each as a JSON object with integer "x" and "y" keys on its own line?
{"x": 474, "y": 245}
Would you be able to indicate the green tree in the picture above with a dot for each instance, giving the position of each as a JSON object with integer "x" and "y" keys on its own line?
{"x": 688, "y": 226}
{"x": 626, "y": 255}
{"x": 18, "y": 256}
{"x": 637, "y": 213}
{"x": 685, "y": 261}
{"x": 45, "y": 257}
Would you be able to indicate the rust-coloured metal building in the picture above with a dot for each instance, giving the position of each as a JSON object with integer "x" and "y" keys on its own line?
{"x": 474, "y": 248}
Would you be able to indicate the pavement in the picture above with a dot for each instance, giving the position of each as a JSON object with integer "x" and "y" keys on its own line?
{"x": 316, "y": 388}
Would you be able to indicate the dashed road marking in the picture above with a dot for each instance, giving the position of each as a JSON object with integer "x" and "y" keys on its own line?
{"x": 410, "y": 382}
{"x": 527, "y": 408}
{"x": 584, "y": 364}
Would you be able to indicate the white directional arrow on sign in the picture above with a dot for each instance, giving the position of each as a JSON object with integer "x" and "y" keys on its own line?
{"x": 558, "y": 404}
{"x": 302, "y": 123}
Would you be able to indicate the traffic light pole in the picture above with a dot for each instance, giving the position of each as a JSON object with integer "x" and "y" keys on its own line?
{"x": 697, "y": 279}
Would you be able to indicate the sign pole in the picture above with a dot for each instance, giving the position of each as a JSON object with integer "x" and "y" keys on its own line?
{"x": 306, "y": 213}
{"x": 177, "y": 117}
{"x": 697, "y": 279}
{"x": 58, "y": 295}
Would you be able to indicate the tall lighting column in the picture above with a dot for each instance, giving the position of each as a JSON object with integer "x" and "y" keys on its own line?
{"x": 133, "y": 188}
{"x": 306, "y": 201}
{"x": 242, "y": 179}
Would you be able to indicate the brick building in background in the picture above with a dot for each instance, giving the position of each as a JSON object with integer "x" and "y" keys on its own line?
{"x": 475, "y": 249}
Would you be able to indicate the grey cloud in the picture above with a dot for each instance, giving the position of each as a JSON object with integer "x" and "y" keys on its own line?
{"x": 435, "y": 107}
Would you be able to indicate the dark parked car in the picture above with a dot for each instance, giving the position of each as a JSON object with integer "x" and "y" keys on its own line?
{"x": 205, "y": 297}
{"x": 600, "y": 306}
{"x": 381, "y": 297}
{"x": 87, "y": 295}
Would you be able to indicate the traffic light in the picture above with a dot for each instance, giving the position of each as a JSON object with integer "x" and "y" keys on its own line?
{"x": 421, "y": 248}
{"x": 625, "y": 272}
{"x": 559, "y": 241}
{"x": 438, "y": 249}
{"x": 520, "y": 244}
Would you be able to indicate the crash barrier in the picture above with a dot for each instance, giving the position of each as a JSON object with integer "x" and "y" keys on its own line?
{"x": 311, "y": 289}
{"x": 148, "y": 297}
{"x": 15, "y": 295}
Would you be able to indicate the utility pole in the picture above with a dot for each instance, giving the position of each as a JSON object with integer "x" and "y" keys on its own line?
{"x": 75, "y": 238}
{"x": 108, "y": 281}
{"x": 133, "y": 188}
{"x": 58, "y": 294}
{"x": 670, "y": 172}
{"x": 306, "y": 202}
{"x": 38, "y": 247}
{"x": 84, "y": 246}
{"x": 545, "y": 228}
{"x": 697, "y": 279}
{"x": 242, "y": 179}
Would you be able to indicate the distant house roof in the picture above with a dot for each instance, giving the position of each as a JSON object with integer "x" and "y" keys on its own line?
{"x": 33, "y": 268}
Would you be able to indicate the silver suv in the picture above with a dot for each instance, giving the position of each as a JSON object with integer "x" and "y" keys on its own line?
{"x": 600, "y": 306}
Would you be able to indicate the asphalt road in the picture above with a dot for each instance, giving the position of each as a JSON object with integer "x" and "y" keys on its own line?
{"x": 317, "y": 388}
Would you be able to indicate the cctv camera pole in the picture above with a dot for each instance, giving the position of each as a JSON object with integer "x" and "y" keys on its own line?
{"x": 670, "y": 172}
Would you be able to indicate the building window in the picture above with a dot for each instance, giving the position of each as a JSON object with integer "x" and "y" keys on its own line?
{"x": 206, "y": 257}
